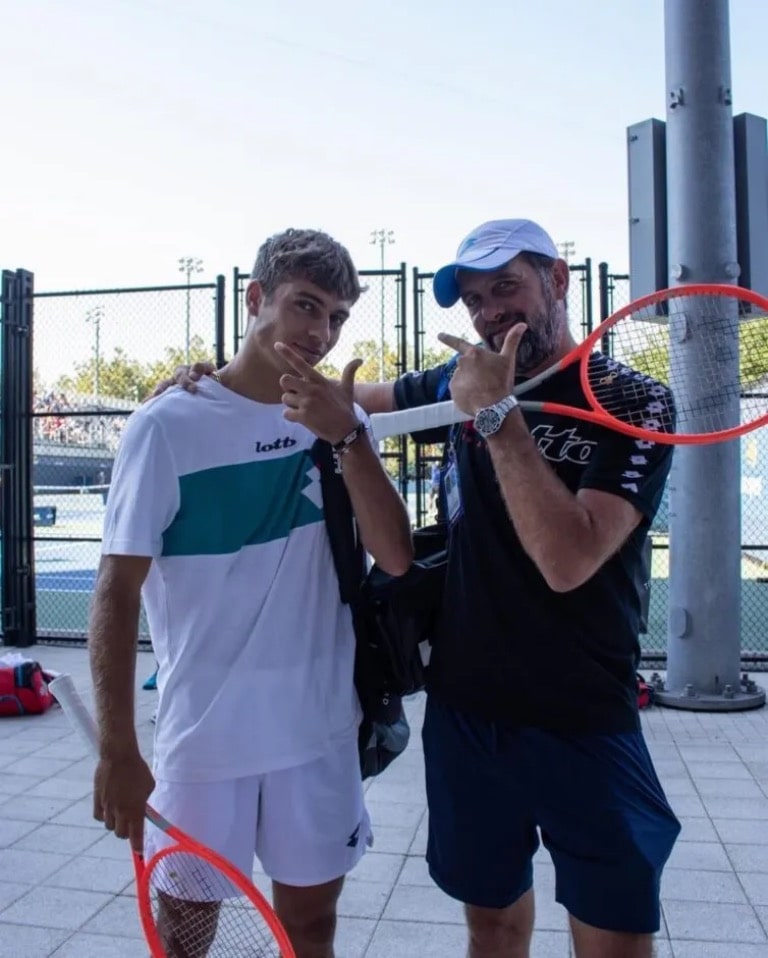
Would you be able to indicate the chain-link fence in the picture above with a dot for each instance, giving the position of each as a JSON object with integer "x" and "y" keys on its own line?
{"x": 375, "y": 332}
{"x": 580, "y": 312}
{"x": 614, "y": 292}
{"x": 427, "y": 351}
{"x": 97, "y": 355}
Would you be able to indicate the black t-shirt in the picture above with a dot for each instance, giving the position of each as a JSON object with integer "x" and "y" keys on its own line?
{"x": 509, "y": 648}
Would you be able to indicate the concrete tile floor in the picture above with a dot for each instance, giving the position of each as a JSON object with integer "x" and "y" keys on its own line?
{"x": 66, "y": 887}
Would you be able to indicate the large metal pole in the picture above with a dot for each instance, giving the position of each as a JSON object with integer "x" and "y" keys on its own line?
{"x": 705, "y": 516}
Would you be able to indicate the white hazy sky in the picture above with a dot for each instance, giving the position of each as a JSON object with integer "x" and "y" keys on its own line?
{"x": 138, "y": 131}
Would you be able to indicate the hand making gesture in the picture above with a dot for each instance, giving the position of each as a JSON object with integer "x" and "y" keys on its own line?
{"x": 482, "y": 376}
{"x": 323, "y": 405}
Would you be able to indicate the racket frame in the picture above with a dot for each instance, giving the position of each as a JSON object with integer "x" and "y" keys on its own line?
{"x": 66, "y": 694}
{"x": 437, "y": 415}
{"x": 654, "y": 299}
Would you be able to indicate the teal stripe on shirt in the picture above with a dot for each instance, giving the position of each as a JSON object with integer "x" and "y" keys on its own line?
{"x": 227, "y": 507}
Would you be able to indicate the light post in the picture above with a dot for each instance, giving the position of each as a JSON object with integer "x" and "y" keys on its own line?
{"x": 189, "y": 265}
{"x": 94, "y": 317}
{"x": 382, "y": 238}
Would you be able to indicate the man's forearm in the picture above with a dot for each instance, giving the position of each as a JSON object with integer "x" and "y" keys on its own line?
{"x": 380, "y": 512}
{"x": 555, "y": 529}
{"x": 375, "y": 397}
{"x": 112, "y": 646}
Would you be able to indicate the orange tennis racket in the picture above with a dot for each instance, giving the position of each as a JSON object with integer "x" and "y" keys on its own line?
{"x": 659, "y": 397}
{"x": 192, "y": 902}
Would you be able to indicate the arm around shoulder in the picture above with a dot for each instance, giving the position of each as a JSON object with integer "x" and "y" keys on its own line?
{"x": 375, "y": 397}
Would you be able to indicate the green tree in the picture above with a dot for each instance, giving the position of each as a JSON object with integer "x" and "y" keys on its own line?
{"x": 369, "y": 350}
{"x": 753, "y": 351}
{"x": 329, "y": 370}
{"x": 436, "y": 356}
{"x": 39, "y": 386}
{"x": 121, "y": 377}
{"x": 199, "y": 351}
{"x": 118, "y": 376}
{"x": 653, "y": 358}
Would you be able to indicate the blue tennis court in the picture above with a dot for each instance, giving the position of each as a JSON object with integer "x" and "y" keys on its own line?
{"x": 66, "y": 580}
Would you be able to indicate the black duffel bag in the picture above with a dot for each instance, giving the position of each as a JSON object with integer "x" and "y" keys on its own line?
{"x": 400, "y": 613}
{"x": 384, "y": 731}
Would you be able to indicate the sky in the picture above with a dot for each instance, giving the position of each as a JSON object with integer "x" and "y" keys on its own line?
{"x": 139, "y": 131}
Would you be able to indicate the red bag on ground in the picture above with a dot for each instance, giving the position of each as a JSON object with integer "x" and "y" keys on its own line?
{"x": 644, "y": 693}
{"x": 24, "y": 689}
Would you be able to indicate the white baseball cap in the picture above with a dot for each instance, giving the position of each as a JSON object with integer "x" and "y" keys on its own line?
{"x": 490, "y": 247}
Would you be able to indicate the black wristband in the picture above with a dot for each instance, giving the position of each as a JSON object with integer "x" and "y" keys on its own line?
{"x": 343, "y": 445}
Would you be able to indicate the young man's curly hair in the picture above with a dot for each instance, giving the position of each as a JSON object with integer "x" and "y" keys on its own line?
{"x": 310, "y": 255}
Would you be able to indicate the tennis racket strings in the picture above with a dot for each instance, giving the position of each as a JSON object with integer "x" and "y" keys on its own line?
{"x": 710, "y": 351}
{"x": 198, "y": 912}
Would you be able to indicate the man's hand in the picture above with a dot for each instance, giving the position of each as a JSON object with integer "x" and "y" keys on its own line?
{"x": 121, "y": 788}
{"x": 184, "y": 376}
{"x": 483, "y": 377}
{"x": 325, "y": 407}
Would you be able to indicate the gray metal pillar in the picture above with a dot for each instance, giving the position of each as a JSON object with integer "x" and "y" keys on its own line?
{"x": 703, "y": 663}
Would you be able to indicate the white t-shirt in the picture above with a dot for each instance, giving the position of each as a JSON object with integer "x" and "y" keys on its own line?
{"x": 255, "y": 648}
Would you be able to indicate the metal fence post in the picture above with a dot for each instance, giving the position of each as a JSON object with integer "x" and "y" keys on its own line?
{"x": 220, "y": 320}
{"x": 587, "y": 319}
{"x": 604, "y": 294}
{"x": 236, "y": 308}
{"x": 418, "y": 327}
{"x": 18, "y": 573}
{"x": 402, "y": 320}
{"x": 402, "y": 364}
{"x": 418, "y": 342}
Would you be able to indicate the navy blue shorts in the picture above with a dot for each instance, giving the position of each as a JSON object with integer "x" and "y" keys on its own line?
{"x": 595, "y": 800}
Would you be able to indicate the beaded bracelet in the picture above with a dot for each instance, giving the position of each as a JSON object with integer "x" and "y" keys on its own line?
{"x": 339, "y": 448}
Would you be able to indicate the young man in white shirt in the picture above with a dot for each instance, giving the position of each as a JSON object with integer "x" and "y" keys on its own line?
{"x": 215, "y": 516}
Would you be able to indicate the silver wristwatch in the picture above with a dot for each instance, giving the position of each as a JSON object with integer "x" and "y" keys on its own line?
{"x": 489, "y": 420}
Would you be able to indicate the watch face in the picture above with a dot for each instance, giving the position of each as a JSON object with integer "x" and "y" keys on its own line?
{"x": 488, "y": 421}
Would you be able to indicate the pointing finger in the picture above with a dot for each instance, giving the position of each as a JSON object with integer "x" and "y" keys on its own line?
{"x": 298, "y": 363}
{"x": 455, "y": 342}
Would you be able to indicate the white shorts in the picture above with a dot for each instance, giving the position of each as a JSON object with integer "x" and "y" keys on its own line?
{"x": 307, "y": 825}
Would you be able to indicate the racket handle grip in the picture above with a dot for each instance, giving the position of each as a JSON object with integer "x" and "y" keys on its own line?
{"x": 437, "y": 415}
{"x": 65, "y": 693}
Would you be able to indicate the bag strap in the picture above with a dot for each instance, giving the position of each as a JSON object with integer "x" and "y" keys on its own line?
{"x": 351, "y": 566}
{"x": 346, "y": 546}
